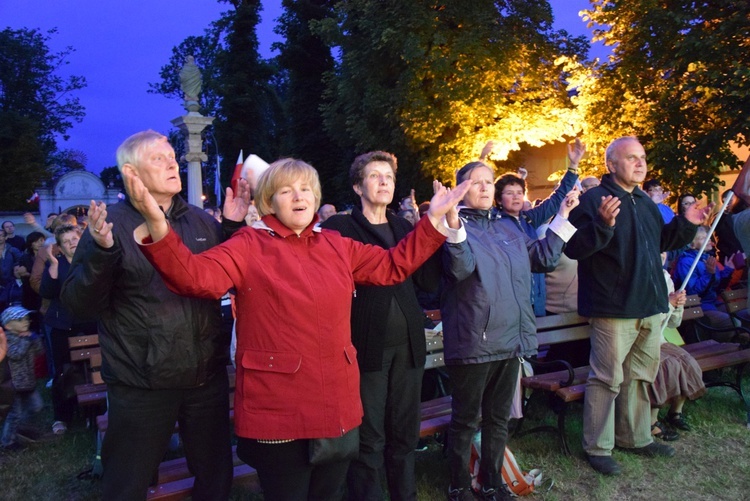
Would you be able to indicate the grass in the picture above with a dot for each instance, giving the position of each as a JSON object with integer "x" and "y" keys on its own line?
{"x": 712, "y": 462}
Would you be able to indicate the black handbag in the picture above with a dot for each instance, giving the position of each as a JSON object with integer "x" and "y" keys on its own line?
{"x": 334, "y": 450}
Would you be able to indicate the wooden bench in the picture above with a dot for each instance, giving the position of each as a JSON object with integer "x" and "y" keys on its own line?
{"x": 85, "y": 351}
{"x": 735, "y": 301}
{"x": 569, "y": 385}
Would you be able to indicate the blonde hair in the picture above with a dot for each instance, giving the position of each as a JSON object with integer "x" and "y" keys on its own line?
{"x": 284, "y": 172}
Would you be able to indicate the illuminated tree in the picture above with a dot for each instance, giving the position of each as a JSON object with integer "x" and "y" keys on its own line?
{"x": 679, "y": 78}
{"x": 434, "y": 82}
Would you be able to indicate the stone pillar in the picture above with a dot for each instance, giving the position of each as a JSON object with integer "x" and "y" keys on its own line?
{"x": 192, "y": 125}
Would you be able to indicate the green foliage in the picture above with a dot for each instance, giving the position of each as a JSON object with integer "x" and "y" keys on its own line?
{"x": 249, "y": 109}
{"x": 36, "y": 106}
{"x": 304, "y": 59}
{"x": 679, "y": 79}
{"x": 110, "y": 176}
{"x": 434, "y": 82}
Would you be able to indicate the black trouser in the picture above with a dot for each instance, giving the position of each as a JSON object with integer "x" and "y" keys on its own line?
{"x": 482, "y": 395}
{"x": 141, "y": 423}
{"x": 285, "y": 473}
{"x": 63, "y": 400}
{"x": 390, "y": 429}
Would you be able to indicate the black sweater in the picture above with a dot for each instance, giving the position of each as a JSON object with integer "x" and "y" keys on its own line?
{"x": 619, "y": 268}
{"x": 370, "y": 306}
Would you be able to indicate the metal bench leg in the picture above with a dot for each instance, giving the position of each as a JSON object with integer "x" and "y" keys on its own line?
{"x": 740, "y": 370}
{"x": 561, "y": 429}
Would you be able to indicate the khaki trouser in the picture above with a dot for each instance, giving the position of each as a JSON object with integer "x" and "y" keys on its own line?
{"x": 624, "y": 361}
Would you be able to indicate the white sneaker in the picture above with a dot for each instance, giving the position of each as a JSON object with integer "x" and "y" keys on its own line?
{"x": 59, "y": 428}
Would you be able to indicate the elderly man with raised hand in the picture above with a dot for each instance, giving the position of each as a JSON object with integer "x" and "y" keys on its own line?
{"x": 621, "y": 288}
{"x": 164, "y": 356}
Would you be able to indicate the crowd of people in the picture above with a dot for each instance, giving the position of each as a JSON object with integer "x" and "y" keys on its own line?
{"x": 329, "y": 317}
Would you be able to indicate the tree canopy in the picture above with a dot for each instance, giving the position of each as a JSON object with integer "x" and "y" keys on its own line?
{"x": 679, "y": 79}
{"x": 36, "y": 106}
{"x": 434, "y": 82}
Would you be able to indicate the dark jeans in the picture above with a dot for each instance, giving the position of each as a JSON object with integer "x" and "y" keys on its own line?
{"x": 390, "y": 429}
{"x": 141, "y": 423}
{"x": 482, "y": 396}
{"x": 286, "y": 474}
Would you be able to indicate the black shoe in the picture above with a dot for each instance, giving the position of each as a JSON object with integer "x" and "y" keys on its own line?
{"x": 653, "y": 449}
{"x": 499, "y": 494}
{"x": 460, "y": 494}
{"x": 604, "y": 464}
{"x": 677, "y": 420}
{"x": 421, "y": 445}
{"x": 665, "y": 433}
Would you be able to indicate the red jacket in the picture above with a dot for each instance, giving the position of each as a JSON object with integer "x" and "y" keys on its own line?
{"x": 297, "y": 373}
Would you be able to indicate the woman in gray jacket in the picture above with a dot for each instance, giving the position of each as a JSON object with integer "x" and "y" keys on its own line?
{"x": 488, "y": 323}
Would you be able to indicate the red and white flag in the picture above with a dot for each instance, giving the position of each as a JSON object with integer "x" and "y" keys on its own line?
{"x": 237, "y": 174}
{"x": 34, "y": 198}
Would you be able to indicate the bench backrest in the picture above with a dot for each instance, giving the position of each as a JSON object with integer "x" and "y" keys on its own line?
{"x": 735, "y": 299}
{"x": 555, "y": 329}
{"x": 84, "y": 349}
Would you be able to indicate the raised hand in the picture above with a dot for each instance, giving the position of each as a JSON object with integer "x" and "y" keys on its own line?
{"x": 710, "y": 265}
{"x": 609, "y": 209}
{"x": 146, "y": 204}
{"x": 729, "y": 261}
{"x": 445, "y": 199}
{"x": 29, "y": 218}
{"x": 696, "y": 214}
{"x": 576, "y": 152}
{"x": 570, "y": 202}
{"x": 98, "y": 227}
{"x": 486, "y": 150}
{"x": 235, "y": 206}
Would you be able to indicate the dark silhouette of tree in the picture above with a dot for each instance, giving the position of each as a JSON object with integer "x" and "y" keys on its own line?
{"x": 37, "y": 105}
{"x": 304, "y": 59}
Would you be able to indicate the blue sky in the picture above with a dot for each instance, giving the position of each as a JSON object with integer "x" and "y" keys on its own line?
{"x": 120, "y": 47}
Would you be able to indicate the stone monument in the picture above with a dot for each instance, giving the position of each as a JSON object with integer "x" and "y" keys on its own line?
{"x": 192, "y": 125}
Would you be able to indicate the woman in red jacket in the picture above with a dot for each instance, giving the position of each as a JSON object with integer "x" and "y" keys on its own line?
{"x": 297, "y": 373}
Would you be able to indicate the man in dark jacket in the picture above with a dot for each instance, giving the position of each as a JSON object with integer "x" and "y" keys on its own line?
{"x": 163, "y": 356}
{"x": 621, "y": 287}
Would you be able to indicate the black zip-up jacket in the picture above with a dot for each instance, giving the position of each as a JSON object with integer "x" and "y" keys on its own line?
{"x": 150, "y": 337}
{"x": 619, "y": 268}
{"x": 370, "y": 306}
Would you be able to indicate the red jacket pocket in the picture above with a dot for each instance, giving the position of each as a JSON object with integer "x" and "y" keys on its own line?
{"x": 272, "y": 361}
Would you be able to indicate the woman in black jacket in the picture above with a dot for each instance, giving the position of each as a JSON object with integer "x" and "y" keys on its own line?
{"x": 388, "y": 332}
